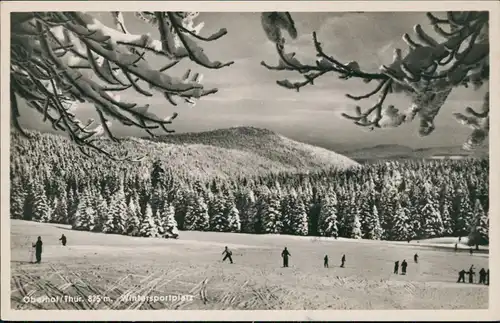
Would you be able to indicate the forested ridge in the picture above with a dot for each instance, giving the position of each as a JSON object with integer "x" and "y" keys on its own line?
{"x": 51, "y": 181}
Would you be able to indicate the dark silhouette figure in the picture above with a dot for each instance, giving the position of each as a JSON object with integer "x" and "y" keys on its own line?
{"x": 487, "y": 278}
{"x": 461, "y": 276}
{"x": 227, "y": 254}
{"x": 396, "y": 267}
{"x": 285, "y": 254}
{"x": 456, "y": 247}
{"x": 415, "y": 258}
{"x": 404, "y": 264}
{"x": 325, "y": 261}
{"x": 482, "y": 276}
{"x": 471, "y": 274}
{"x": 459, "y": 239}
{"x": 63, "y": 240}
{"x": 470, "y": 251}
{"x": 38, "y": 250}
{"x": 343, "y": 261}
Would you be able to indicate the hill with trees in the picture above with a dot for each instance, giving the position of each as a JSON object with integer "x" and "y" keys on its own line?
{"x": 398, "y": 200}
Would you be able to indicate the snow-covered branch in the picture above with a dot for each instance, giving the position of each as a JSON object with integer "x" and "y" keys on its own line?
{"x": 60, "y": 58}
{"x": 427, "y": 73}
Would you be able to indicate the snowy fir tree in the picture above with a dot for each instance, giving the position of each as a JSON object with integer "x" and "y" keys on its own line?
{"x": 157, "y": 200}
{"x": 168, "y": 215}
{"x": 17, "y": 199}
{"x": 402, "y": 224}
{"x": 234, "y": 224}
{"x": 298, "y": 221}
{"x": 231, "y": 213}
{"x": 356, "y": 227}
{"x": 431, "y": 225}
{"x": 445, "y": 209}
{"x": 261, "y": 207}
{"x": 72, "y": 205}
{"x": 197, "y": 218}
{"x": 447, "y": 222}
{"x": 148, "y": 226}
{"x": 328, "y": 216}
{"x": 101, "y": 207}
{"x": 248, "y": 213}
{"x": 158, "y": 218}
{"x": 36, "y": 205}
{"x": 479, "y": 231}
{"x": 219, "y": 221}
{"x": 181, "y": 205}
{"x": 343, "y": 213}
{"x": 108, "y": 225}
{"x": 463, "y": 213}
{"x": 118, "y": 211}
{"x": 61, "y": 210}
{"x": 272, "y": 217}
{"x": 85, "y": 214}
{"x": 41, "y": 208}
{"x": 372, "y": 227}
{"x": 388, "y": 199}
{"x": 133, "y": 223}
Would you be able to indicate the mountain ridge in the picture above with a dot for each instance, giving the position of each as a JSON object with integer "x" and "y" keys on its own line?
{"x": 226, "y": 152}
{"x": 396, "y": 151}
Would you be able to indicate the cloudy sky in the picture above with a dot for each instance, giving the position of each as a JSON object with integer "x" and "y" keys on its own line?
{"x": 248, "y": 93}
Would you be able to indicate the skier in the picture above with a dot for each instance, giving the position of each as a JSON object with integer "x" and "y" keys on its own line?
{"x": 415, "y": 258}
{"x": 63, "y": 240}
{"x": 471, "y": 274}
{"x": 456, "y": 247}
{"x": 396, "y": 267}
{"x": 470, "y": 251}
{"x": 38, "y": 250}
{"x": 404, "y": 264}
{"x": 325, "y": 261}
{"x": 228, "y": 254}
{"x": 482, "y": 276}
{"x": 461, "y": 276}
{"x": 343, "y": 261}
{"x": 285, "y": 254}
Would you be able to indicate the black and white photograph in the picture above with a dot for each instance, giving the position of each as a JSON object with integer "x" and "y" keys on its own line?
{"x": 247, "y": 160}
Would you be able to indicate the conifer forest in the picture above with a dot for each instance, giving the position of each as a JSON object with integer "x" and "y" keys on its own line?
{"x": 387, "y": 200}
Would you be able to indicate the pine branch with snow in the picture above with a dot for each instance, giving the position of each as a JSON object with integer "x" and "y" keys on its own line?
{"x": 427, "y": 73}
{"x": 62, "y": 59}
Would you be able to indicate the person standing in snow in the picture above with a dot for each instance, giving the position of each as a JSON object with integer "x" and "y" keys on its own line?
{"x": 63, "y": 240}
{"x": 227, "y": 254}
{"x": 38, "y": 250}
{"x": 285, "y": 254}
{"x": 404, "y": 264}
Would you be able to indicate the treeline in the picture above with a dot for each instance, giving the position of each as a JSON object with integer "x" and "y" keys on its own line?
{"x": 387, "y": 200}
